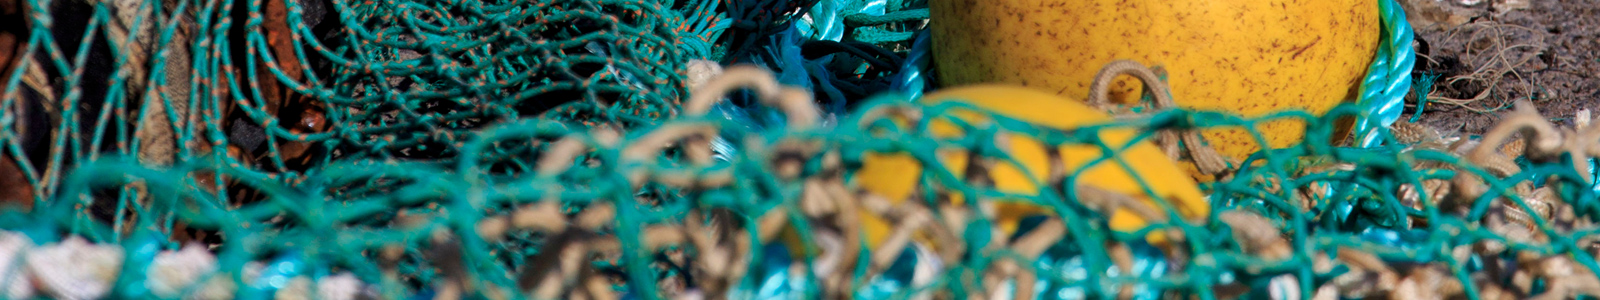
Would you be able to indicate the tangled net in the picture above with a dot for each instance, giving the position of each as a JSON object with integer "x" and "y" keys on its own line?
{"x": 553, "y": 149}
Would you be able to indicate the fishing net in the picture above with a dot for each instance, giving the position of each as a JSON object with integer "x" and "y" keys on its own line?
{"x": 553, "y": 149}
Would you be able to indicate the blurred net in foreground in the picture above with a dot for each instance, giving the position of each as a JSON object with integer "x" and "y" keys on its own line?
{"x": 1422, "y": 218}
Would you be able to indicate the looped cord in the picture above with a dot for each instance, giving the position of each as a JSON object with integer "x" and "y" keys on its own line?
{"x": 1205, "y": 157}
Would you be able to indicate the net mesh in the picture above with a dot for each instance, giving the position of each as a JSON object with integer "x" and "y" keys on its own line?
{"x": 552, "y": 149}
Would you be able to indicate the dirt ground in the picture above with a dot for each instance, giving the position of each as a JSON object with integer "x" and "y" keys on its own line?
{"x": 1487, "y": 54}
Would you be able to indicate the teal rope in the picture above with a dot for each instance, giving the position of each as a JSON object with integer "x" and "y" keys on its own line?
{"x": 870, "y": 21}
{"x": 911, "y": 77}
{"x": 1389, "y": 78}
{"x": 1387, "y": 82}
{"x": 1423, "y": 86}
{"x": 469, "y": 184}
{"x": 908, "y": 15}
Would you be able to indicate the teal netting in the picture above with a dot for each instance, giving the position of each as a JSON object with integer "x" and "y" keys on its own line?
{"x": 503, "y": 149}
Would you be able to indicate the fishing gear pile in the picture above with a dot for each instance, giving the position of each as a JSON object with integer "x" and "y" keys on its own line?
{"x": 646, "y": 149}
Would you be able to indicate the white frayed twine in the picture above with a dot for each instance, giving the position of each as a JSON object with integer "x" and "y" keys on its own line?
{"x": 700, "y": 71}
{"x": 1284, "y": 287}
{"x": 1582, "y": 118}
{"x": 13, "y": 276}
{"x": 222, "y": 287}
{"x": 78, "y": 269}
{"x": 75, "y": 269}
{"x": 338, "y": 287}
{"x": 219, "y": 287}
{"x": 173, "y": 271}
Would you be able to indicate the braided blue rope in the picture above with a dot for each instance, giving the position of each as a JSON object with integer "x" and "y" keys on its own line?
{"x": 911, "y": 79}
{"x": 825, "y": 20}
{"x": 1594, "y": 172}
{"x": 1389, "y": 78}
{"x": 1383, "y": 92}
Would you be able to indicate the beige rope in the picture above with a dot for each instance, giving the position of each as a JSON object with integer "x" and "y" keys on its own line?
{"x": 720, "y": 245}
{"x": 795, "y": 103}
{"x": 558, "y": 158}
{"x": 824, "y": 199}
{"x": 158, "y": 140}
{"x": 1543, "y": 137}
{"x": 1031, "y": 246}
{"x": 1205, "y": 157}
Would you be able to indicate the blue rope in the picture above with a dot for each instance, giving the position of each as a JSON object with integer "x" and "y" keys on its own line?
{"x": 1383, "y": 92}
{"x": 1389, "y": 79}
{"x": 911, "y": 80}
{"x": 1594, "y": 172}
{"x": 1423, "y": 87}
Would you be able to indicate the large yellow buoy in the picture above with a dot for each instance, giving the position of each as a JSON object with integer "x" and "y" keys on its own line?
{"x": 1247, "y": 57}
{"x": 894, "y": 176}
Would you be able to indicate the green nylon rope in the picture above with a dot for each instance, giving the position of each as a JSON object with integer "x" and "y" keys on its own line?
{"x": 462, "y": 187}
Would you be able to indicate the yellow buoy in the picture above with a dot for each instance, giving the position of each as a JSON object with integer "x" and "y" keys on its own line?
{"x": 894, "y": 176}
{"x": 1248, "y": 57}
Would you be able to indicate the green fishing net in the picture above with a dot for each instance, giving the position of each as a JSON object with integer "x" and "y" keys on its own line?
{"x": 396, "y": 149}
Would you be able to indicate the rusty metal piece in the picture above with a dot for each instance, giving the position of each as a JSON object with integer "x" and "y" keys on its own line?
{"x": 14, "y": 187}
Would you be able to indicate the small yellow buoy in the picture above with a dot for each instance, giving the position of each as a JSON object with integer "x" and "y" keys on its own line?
{"x": 894, "y": 176}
